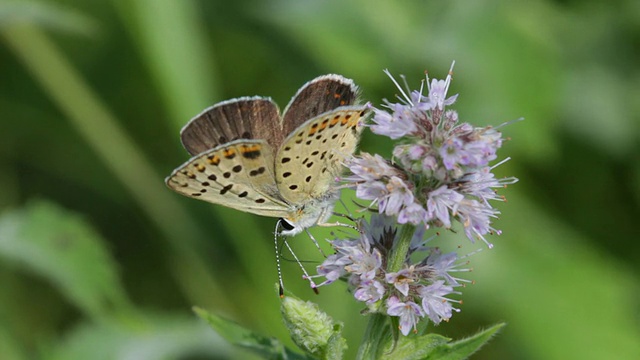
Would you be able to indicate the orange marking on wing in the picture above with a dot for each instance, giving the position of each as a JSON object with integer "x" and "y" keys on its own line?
{"x": 190, "y": 175}
{"x": 229, "y": 153}
{"x": 248, "y": 149}
{"x": 213, "y": 160}
{"x": 324, "y": 123}
{"x": 313, "y": 130}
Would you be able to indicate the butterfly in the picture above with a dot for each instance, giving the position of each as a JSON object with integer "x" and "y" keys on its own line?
{"x": 248, "y": 157}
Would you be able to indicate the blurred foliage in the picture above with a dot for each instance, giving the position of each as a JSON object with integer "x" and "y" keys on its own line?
{"x": 99, "y": 260}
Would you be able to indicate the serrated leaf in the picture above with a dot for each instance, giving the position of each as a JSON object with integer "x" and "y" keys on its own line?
{"x": 415, "y": 347}
{"x": 438, "y": 347}
{"x": 62, "y": 248}
{"x": 462, "y": 349}
{"x": 267, "y": 347}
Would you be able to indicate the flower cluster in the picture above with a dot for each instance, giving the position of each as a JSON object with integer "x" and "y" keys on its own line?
{"x": 416, "y": 291}
{"x": 439, "y": 174}
{"x": 440, "y": 169}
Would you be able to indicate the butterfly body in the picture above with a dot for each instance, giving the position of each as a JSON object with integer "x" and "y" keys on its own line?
{"x": 248, "y": 157}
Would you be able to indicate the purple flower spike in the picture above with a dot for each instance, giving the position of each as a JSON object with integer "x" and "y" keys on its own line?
{"x": 440, "y": 176}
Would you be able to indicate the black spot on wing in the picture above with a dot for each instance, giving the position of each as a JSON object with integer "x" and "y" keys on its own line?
{"x": 257, "y": 171}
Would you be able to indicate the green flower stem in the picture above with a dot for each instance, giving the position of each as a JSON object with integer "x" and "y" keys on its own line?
{"x": 378, "y": 332}
{"x": 398, "y": 255}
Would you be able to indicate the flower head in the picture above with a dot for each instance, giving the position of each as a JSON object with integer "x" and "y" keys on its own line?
{"x": 363, "y": 263}
{"x": 440, "y": 176}
{"x": 440, "y": 173}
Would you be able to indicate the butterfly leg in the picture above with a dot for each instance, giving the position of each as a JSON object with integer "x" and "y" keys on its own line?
{"x": 304, "y": 271}
{"x": 315, "y": 242}
{"x": 279, "y": 254}
{"x": 338, "y": 223}
{"x": 326, "y": 214}
{"x": 349, "y": 215}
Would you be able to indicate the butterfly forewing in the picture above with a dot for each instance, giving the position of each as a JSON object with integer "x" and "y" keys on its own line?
{"x": 238, "y": 175}
{"x": 242, "y": 118}
{"x": 312, "y": 156}
{"x": 322, "y": 94}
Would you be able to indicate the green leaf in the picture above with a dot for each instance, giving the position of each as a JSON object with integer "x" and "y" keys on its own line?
{"x": 437, "y": 347}
{"x": 140, "y": 337}
{"x": 267, "y": 347}
{"x": 414, "y": 347}
{"x": 462, "y": 349}
{"x": 61, "y": 247}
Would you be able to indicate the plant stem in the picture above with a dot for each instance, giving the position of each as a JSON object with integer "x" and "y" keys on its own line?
{"x": 377, "y": 334}
{"x": 398, "y": 254}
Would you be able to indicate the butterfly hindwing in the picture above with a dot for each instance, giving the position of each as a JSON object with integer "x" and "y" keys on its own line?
{"x": 242, "y": 118}
{"x": 238, "y": 175}
{"x": 312, "y": 156}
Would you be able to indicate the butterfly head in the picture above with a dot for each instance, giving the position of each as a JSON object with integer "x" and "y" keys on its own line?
{"x": 315, "y": 212}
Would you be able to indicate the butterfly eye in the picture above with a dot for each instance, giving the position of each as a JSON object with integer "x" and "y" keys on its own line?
{"x": 286, "y": 224}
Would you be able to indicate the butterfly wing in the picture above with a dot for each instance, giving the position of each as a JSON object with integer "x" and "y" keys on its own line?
{"x": 242, "y": 118}
{"x": 238, "y": 175}
{"x": 322, "y": 94}
{"x": 312, "y": 156}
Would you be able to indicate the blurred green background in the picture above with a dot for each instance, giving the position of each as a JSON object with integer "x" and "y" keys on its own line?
{"x": 99, "y": 260}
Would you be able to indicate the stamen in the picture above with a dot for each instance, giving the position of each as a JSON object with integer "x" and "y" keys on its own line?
{"x": 407, "y": 98}
{"x": 448, "y": 79}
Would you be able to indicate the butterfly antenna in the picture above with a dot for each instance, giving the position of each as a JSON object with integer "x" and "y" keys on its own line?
{"x": 275, "y": 241}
